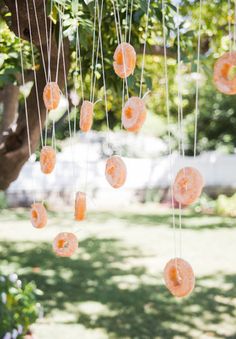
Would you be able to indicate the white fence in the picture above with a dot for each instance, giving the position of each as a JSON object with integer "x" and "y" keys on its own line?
{"x": 218, "y": 170}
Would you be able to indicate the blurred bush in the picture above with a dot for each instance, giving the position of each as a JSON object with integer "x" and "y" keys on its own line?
{"x": 18, "y": 306}
{"x": 205, "y": 204}
{"x": 226, "y": 206}
{"x": 223, "y": 205}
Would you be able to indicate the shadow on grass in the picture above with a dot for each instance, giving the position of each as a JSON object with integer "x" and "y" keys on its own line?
{"x": 190, "y": 220}
{"x": 134, "y": 304}
{"x": 193, "y": 221}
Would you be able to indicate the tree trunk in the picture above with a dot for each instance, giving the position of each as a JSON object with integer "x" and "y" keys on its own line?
{"x": 9, "y": 98}
{"x": 14, "y": 148}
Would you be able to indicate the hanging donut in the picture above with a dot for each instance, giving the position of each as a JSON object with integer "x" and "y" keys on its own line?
{"x": 179, "y": 277}
{"x": 86, "y": 116}
{"x": 47, "y": 159}
{"x": 51, "y": 95}
{"x": 222, "y": 79}
{"x": 124, "y": 60}
{"x": 134, "y": 114}
{"x": 38, "y": 215}
{"x": 80, "y": 206}
{"x": 188, "y": 186}
{"x": 65, "y": 244}
{"x": 115, "y": 171}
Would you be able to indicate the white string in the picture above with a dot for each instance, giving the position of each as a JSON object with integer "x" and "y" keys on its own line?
{"x": 49, "y": 48}
{"x": 23, "y": 78}
{"x": 130, "y": 21}
{"x": 93, "y": 84}
{"x": 96, "y": 63}
{"x": 180, "y": 119}
{"x": 103, "y": 69}
{"x": 119, "y": 38}
{"x": 50, "y": 45}
{"x": 60, "y": 37}
{"x": 78, "y": 53}
{"x": 197, "y": 79}
{"x": 35, "y": 75}
{"x": 43, "y": 61}
{"x": 46, "y": 22}
{"x": 126, "y": 19}
{"x": 126, "y": 31}
{"x": 68, "y": 108}
{"x": 76, "y": 73}
{"x": 40, "y": 40}
{"x": 93, "y": 53}
{"x": 116, "y": 8}
{"x": 144, "y": 50}
{"x": 23, "y": 82}
{"x": 80, "y": 64}
{"x": 58, "y": 53}
{"x": 168, "y": 123}
{"x": 229, "y": 26}
{"x": 234, "y": 24}
{"x": 180, "y": 100}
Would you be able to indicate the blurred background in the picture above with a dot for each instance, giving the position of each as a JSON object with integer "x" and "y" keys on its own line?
{"x": 113, "y": 286}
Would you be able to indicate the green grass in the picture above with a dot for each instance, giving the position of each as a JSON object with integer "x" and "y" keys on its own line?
{"x": 102, "y": 287}
{"x": 190, "y": 220}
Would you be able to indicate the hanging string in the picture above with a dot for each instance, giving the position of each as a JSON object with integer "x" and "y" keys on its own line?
{"x": 23, "y": 82}
{"x": 35, "y": 75}
{"x": 49, "y": 48}
{"x": 100, "y": 14}
{"x": 80, "y": 66}
{"x": 93, "y": 53}
{"x": 126, "y": 20}
{"x": 130, "y": 21}
{"x": 96, "y": 62}
{"x": 43, "y": 60}
{"x": 168, "y": 122}
{"x": 234, "y": 25}
{"x": 58, "y": 51}
{"x": 76, "y": 73}
{"x": 45, "y": 20}
{"x": 125, "y": 39}
{"x": 180, "y": 119}
{"x": 180, "y": 99}
{"x": 50, "y": 44}
{"x": 118, "y": 30}
{"x": 116, "y": 8}
{"x": 229, "y": 26}
{"x": 144, "y": 50}
{"x": 68, "y": 108}
{"x": 54, "y": 143}
{"x": 40, "y": 40}
{"x": 197, "y": 79}
{"x": 23, "y": 79}
{"x": 93, "y": 84}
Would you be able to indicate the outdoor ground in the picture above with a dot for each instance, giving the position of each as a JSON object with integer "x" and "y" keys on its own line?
{"x": 113, "y": 287}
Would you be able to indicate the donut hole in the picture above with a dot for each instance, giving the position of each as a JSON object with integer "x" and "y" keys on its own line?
{"x": 184, "y": 182}
{"x": 119, "y": 58}
{"x": 111, "y": 170}
{"x": 128, "y": 112}
{"x": 34, "y": 214}
{"x": 231, "y": 73}
{"x": 174, "y": 276}
{"x": 62, "y": 243}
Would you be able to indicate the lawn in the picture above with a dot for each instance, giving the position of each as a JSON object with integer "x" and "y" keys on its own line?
{"x": 113, "y": 286}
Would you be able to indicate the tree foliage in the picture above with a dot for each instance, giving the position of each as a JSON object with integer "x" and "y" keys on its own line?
{"x": 216, "y": 110}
